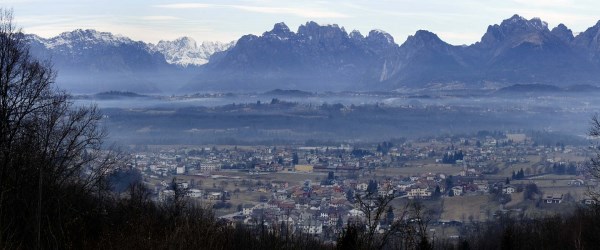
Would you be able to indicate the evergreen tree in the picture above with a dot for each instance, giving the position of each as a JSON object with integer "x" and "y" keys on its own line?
{"x": 521, "y": 174}
{"x": 390, "y": 215}
{"x": 459, "y": 156}
{"x": 339, "y": 223}
{"x": 372, "y": 187}
{"x": 350, "y": 195}
{"x": 449, "y": 182}
{"x": 437, "y": 193}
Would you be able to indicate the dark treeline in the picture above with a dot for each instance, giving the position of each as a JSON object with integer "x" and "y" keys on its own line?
{"x": 87, "y": 221}
{"x": 579, "y": 230}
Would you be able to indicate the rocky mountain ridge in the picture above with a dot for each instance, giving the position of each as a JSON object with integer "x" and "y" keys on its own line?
{"x": 90, "y": 61}
{"x": 327, "y": 58}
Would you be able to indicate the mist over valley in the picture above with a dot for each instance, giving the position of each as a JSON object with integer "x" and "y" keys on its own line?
{"x": 280, "y": 117}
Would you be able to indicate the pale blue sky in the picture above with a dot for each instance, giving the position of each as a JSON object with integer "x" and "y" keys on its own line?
{"x": 455, "y": 21}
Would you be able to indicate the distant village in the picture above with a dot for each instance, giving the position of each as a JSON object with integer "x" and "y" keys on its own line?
{"x": 312, "y": 189}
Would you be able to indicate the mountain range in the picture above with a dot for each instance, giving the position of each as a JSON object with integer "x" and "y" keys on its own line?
{"x": 326, "y": 58}
{"x": 90, "y": 61}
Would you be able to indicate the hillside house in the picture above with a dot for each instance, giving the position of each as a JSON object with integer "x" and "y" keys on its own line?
{"x": 508, "y": 189}
{"x": 553, "y": 199}
{"x": 457, "y": 190}
{"x": 419, "y": 192}
{"x": 576, "y": 182}
{"x": 247, "y": 209}
{"x": 312, "y": 227}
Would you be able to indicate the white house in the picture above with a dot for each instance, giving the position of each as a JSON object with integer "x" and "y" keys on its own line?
{"x": 355, "y": 213}
{"x": 362, "y": 186}
{"x": 194, "y": 193}
{"x": 404, "y": 185}
{"x": 457, "y": 190}
{"x": 508, "y": 189}
{"x": 247, "y": 209}
{"x": 312, "y": 227}
{"x": 209, "y": 167}
{"x": 554, "y": 199}
{"x": 214, "y": 196}
{"x": 419, "y": 192}
{"x": 576, "y": 182}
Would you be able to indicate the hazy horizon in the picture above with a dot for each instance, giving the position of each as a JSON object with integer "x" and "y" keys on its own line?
{"x": 458, "y": 22}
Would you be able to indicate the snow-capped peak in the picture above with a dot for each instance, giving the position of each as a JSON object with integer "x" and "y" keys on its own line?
{"x": 88, "y": 37}
{"x": 381, "y": 35}
{"x": 184, "y": 51}
{"x": 182, "y": 42}
{"x": 535, "y": 23}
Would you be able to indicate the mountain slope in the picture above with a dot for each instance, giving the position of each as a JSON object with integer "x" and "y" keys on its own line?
{"x": 89, "y": 61}
{"x": 316, "y": 58}
{"x": 526, "y": 51}
{"x": 326, "y": 58}
{"x": 313, "y": 58}
{"x": 424, "y": 59}
{"x": 589, "y": 42}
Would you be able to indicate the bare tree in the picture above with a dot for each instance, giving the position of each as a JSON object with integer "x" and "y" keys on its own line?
{"x": 374, "y": 207}
{"x": 407, "y": 231}
{"x": 47, "y": 144}
{"x": 594, "y": 166}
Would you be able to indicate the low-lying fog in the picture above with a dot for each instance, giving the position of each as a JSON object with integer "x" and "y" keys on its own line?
{"x": 288, "y": 116}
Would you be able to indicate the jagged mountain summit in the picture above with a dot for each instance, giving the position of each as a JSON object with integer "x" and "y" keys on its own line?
{"x": 589, "y": 42}
{"x": 185, "y": 51}
{"x": 326, "y": 57}
{"x": 90, "y": 61}
{"x": 315, "y": 57}
{"x": 527, "y": 52}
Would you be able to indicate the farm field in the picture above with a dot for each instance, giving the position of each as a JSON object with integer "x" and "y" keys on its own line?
{"x": 465, "y": 208}
{"x": 417, "y": 169}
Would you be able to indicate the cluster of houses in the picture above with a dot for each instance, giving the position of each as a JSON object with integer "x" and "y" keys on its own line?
{"x": 478, "y": 155}
{"x": 321, "y": 208}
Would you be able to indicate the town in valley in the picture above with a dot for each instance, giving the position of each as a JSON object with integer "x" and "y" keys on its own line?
{"x": 313, "y": 189}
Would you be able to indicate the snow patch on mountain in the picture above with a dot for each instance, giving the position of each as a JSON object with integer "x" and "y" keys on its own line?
{"x": 185, "y": 51}
{"x": 87, "y": 37}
